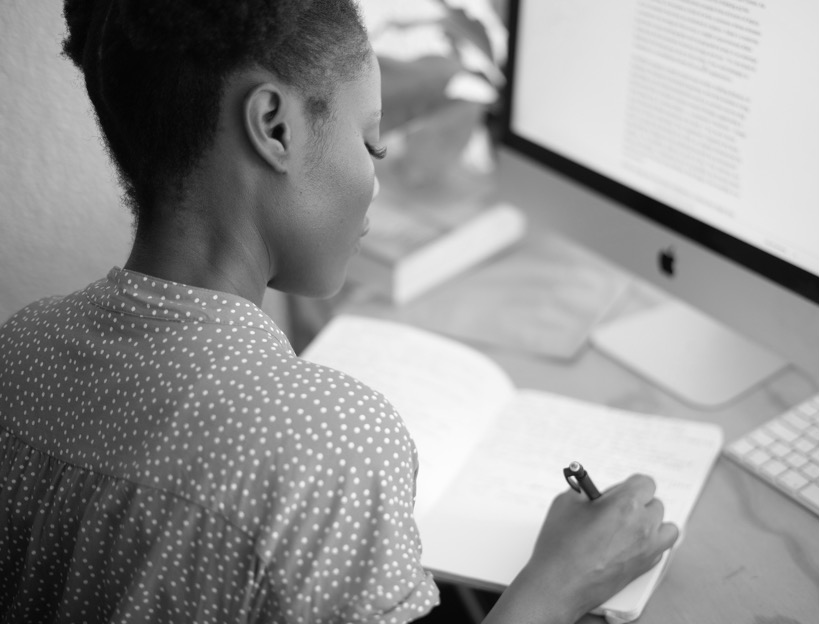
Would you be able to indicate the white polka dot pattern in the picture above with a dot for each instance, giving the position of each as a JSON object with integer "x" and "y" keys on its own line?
{"x": 166, "y": 457}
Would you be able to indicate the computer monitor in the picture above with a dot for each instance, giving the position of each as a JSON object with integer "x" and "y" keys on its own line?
{"x": 679, "y": 138}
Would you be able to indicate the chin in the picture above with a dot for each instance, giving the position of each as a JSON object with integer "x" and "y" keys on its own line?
{"x": 329, "y": 292}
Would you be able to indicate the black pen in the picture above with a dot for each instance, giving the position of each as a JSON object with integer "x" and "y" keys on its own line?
{"x": 580, "y": 481}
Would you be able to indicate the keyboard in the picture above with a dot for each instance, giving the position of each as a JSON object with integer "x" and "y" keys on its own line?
{"x": 783, "y": 452}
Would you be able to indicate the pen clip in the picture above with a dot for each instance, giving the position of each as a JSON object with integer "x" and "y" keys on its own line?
{"x": 579, "y": 480}
{"x": 571, "y": 474}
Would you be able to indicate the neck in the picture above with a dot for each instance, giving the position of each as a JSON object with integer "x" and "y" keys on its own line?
{"x": 207, "y": 233}
{"x": 198, "y": 252}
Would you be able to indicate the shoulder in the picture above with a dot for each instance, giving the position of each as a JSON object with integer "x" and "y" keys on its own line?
{"x": 48, "y": 315}
{"x": 255, "y": 371}
{"x": 32, "y": 313}
{"x": 25, "y": 336}
{"x": 295, "y": 409}
{"x": 358, "y": 422}
{"x": 258, "y": 409}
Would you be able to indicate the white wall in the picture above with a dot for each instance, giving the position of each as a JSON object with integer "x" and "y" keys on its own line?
{"x": 62, "y": 221}
{"x": 62, "y": 224}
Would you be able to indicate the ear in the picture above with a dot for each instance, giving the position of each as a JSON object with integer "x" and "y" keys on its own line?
{"x": 268, "y": 124}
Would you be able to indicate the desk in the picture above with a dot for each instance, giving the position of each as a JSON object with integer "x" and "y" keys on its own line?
{"x": 749, "y": 554}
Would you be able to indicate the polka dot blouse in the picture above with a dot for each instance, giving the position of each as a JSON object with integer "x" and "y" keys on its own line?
{"x": 166, "y": 457}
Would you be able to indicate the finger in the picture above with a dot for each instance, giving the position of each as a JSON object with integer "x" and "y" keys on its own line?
{"x": 567, "y": 501}
{"x": 668, "y": 534}
{"x": 643, "y": 486}
{"x": 572, "y": 495}
{"x": 655, "y": 511}
{"x": 666, "y": 538}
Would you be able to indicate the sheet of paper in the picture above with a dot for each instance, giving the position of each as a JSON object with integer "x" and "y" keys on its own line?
{"x": 487, "y": 524}
{"x": 447, "y": 394}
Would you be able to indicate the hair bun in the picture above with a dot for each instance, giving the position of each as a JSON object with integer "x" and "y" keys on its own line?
{"x": 210, "y": 30}
{"x": 79, "y": 15}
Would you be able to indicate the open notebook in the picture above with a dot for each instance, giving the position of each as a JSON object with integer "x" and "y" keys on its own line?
{"x": 491, "y": 456}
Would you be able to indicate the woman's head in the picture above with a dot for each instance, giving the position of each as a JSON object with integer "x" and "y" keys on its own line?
{"x": 155, "y": 72}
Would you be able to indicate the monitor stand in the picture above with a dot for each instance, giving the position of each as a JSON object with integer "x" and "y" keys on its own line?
{"x": 687, "y": 353}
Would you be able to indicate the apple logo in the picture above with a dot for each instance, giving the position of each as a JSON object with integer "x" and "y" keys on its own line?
{"x": 666, "y": 260}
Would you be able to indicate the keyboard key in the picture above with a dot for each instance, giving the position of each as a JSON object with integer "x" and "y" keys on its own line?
{"x": 779, "y": 430}
{"x": 810, "y": 470}
{"x": 809, "y": 409}
{"x": 774, "y": 467}
{"x": 762, "y": 437}
{"x": 793, "y": 480}
{"x": 797, "y": 420}
{"x": 742, "y": 447}
{"x": 758, "y": 457}
{"x": 810, "y": 494}
{"x": 778, "y": 449}
{"x": 796, "y": 459}
{"x": 804, "y": 445}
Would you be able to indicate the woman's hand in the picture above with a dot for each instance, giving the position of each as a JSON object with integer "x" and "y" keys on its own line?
{"x": 604, "y": 544}
{"x": 586, "y": 552}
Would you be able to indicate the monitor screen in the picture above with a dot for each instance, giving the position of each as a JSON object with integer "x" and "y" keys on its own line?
{"x": 698, "y": 116}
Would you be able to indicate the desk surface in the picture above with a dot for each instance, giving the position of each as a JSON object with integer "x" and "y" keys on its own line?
{"x": 749, "y": 554}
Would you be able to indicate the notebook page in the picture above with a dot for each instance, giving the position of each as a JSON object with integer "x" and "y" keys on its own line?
{"x": 486, "y": 525}
{"x": 446, "y": 393}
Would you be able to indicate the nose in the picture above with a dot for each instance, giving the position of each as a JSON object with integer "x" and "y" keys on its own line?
{"x": 376, "y": 187}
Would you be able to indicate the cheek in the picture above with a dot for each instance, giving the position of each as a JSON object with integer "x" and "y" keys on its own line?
{"x": 334, "y": 221}
{"x": 351, "y": 197}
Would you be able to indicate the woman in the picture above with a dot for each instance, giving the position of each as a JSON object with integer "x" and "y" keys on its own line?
{"x": 164, "y": 455}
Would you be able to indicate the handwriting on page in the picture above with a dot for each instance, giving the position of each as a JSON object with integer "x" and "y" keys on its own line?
{"x": 521, "y": 462}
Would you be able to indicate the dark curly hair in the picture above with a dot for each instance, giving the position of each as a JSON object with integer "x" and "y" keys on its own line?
{"x": 155, "y": 69}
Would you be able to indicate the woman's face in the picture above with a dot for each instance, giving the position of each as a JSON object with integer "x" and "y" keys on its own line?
{"x": 330, "y": 191}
